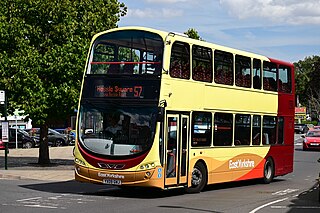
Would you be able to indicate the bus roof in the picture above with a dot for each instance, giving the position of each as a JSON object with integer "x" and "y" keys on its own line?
{"x": 185, "y": 38}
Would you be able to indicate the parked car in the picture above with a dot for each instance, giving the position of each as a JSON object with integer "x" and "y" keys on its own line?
{"x": 301, "y": 128}
{"x": 311, "y": 140}
{"x": 23, "y": 139}
{"x": 54, "y": 137}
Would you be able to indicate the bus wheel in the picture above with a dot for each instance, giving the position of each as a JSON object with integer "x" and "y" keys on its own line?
{"x": 198, "y": 179}
{"x": 268, "y": 173}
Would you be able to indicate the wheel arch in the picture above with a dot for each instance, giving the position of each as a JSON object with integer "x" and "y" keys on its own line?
{"x": 205, "y": 166}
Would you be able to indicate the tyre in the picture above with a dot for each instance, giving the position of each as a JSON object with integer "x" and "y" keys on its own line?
{"x": 268, "y": 171}
{"x": 198, "y": 179}
{"x": 27, "y": 145}
{"x": 59, "y": 142}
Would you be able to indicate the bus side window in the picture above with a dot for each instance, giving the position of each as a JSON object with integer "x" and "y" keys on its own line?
{"x": 223, "y": 67}
{"x": 269, "y": 130}
{"x": 256, "y": 130}
{"x": 243, "y": 71}
{"x": 280, "y": 130}
{"x": 201, "y": 63}
{"x": 223, "y": 127}
{"x": 180, "y": 60}
{"x": 201, "y": 128}
{"x": 269, "y": 76}
{"x": 256, "y": 74}
{"x": 242, "y": 129}
{"x": 285, "y": 79}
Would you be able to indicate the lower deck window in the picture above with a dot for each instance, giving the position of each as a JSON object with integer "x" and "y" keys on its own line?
{"x": 269, "y": 130}
{"x": 223, "y": 127}
{"x": 242, "y": 130}
{"x": 201, "y": 128}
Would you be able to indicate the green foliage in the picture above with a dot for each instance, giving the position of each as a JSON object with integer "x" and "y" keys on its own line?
{"x": 43, "y": 46}
{"x": 307, "y": 78}
{"x": 193, "y": 33}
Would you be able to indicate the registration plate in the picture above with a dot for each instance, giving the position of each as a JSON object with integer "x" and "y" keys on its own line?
{"x": 111, "y": 182}
{"x": 314, "y": 144}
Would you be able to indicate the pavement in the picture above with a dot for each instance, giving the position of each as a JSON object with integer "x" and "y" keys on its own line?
{"x": 23, "y": 164}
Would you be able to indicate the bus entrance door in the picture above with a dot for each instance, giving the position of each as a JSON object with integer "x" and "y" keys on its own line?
{"x": 176, "y": 149}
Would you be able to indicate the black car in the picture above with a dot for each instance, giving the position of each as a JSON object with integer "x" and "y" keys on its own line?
{"x": 23, "y": 139}
{"x": 301, "y": 128}
{"x": 54, "y": 138}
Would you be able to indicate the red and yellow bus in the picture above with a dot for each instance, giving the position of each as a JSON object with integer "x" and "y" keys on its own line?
{"x": 159, "y": 109}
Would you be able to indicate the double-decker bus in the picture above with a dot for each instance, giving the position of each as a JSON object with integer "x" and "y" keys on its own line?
{"x": 159, "y": 109}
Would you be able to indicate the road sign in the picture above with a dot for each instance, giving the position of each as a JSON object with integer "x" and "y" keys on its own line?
{"x": 5, "y": 131}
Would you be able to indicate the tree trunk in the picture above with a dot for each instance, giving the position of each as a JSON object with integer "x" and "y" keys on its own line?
{"x": 44, "y": 148}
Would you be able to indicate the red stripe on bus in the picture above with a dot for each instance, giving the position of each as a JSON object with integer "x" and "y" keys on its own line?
{"x": 95, "y": 161}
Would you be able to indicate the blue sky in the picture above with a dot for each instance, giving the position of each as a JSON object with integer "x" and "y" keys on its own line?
{"x": 283, "y": 29}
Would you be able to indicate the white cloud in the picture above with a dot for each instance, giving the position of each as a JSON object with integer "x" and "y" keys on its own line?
{"x": 281, "y": 11}
{"x": 154, "y": 13}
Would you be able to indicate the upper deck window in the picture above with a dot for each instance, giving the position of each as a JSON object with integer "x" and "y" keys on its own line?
{"x": 243, "y": 71}
{"x": 127, "y": 52}
{"x": 223, "y": 67}
{"x": 256, "y": 74}
{"x": 180, "y": 60}
{"x": 285, "y": 79}
{"x": 269, "y": 76}
{"x": 201, "y": 64}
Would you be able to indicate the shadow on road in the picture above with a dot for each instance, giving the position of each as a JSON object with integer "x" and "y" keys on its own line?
{"x": 307, "y": 201}
{"x": 73, "y": 187}
{"x": 28, "y": 162}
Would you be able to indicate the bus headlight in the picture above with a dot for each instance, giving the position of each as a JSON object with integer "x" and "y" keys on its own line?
{"x": 78, "y": 161}
{"x": 147, "y": 166}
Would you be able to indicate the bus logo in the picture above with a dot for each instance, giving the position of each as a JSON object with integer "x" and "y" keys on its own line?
{"x": 111, "y": 166}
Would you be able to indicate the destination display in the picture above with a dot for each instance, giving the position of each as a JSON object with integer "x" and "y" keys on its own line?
{"x": 136, "y": 91}
{"x": 97, "y": 87}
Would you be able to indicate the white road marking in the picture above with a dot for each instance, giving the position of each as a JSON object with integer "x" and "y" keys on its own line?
{"x": 40, "y": 206}
{"x": 27, "y": 199}
{"x": 278, "y": 207}
{"x": 284, "y": 192}
{"x": 267, "y": 204}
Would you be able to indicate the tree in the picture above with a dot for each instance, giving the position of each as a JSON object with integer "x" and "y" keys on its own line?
{"x": 43, "y": 46}
{"x": 307, "y": 77}
{"x": 193, "y": 33}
